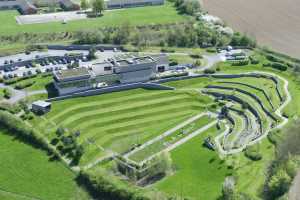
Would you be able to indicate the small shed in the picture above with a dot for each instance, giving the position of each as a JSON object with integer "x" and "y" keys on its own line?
{"x": 41, "y": 107}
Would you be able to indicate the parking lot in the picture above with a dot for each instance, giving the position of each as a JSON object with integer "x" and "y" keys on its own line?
{"x": 50, "y": 17}
{"x": 20, "y": 65}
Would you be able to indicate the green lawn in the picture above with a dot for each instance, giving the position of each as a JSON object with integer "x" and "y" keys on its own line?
{"x": 135, "y": 16}
{"x": 119, "y": 120}
{"x": 199, "y": 171}
{"x": 28, "y": 172}
{"x": 170, "y": 139}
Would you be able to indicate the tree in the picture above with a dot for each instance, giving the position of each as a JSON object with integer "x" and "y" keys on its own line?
{"x": 98, "y": 6}
{"x": 92, "y": 53}
{"x": 84, "y": 4}
{"x": 279, "y": 183}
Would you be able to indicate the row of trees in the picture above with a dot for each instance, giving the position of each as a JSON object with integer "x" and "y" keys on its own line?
{"x": 97, "y": 6}
{"x": 68, "y": 145}
{"x": 286, "y": 164}
{"x": 187, "y": 34}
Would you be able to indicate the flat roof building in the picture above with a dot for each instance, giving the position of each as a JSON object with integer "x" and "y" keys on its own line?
{"x": 41, "y": 107}
{"x": 113, "y": 72}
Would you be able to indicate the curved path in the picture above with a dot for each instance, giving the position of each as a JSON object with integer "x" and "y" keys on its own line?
{"x": 18, "y": 95}
{"x": 278, "y": 112}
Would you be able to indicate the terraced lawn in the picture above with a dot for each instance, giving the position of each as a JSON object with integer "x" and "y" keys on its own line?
{"x": 117, "y": 121}
{"x": 28, "y": 172}
{"x": 158, "y": 146}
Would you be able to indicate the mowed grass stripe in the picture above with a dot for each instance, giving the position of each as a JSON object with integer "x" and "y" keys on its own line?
{"x": 133, "y": 124}
{"x": 86, "y": 103}
{"x": 128, "y": 117}
{"x": 104, "y": 114}
{"x": 107, "y": 133}
{"x": 145, "y": 133}
{"x": 148, "y": 133}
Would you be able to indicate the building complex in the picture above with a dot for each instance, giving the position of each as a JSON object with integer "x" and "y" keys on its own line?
{"x": 112, "y": 72}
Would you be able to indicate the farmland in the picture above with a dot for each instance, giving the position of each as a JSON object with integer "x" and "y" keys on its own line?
{"x": 135, "y": 16}
{"x": 274, "y": 24}
{"x": 27, "y": 173}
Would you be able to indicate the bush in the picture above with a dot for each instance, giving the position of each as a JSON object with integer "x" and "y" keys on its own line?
{"x": 240, "y": 62}
{"x": 7, "y": 93}
{"x": 101, "y": 184}
{"x": 253, "y": 60}
{"x": 209, "y": 71}
{"x": 253, "y": 153}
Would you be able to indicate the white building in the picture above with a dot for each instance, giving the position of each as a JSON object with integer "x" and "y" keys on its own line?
{"x": 114, "y": 4}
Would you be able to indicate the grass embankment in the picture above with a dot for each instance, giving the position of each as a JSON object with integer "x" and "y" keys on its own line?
{"x": 176, "y": 136}
{"x": 28, "y": 172}
{"x": 199, "y": 171}
{"x": 163, "y": 14}
{"x": 117, "y": 121}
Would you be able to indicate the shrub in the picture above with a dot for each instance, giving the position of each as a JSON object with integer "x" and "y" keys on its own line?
{"x": 101, "y": 184}
{"x": 253, "y": 60}
{"x": 253, "y": 153}
{"x": 209, "y": 71}
{"x": 7, "y": 93}
{"x": 240, "y": 62}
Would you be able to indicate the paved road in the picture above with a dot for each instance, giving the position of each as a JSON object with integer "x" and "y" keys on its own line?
{"x": 18, "y": 95}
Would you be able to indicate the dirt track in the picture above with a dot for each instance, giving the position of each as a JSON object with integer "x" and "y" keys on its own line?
{"x": 274, "y": 23}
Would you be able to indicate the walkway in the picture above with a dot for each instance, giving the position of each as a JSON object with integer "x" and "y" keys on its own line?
{"x": 18, "y": 95}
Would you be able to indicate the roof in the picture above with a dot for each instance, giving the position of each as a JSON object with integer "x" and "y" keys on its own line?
{"x": 134, "y": 61}
{"x": 161, "y": 59}
{"x": 41, "y": 103}
{"x": 70, "y": 74}
{"x": 104, "y": 68}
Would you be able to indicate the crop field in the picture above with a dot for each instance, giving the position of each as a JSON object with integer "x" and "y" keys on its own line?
{"x": 135, "y": 16}
{"x": 27, "y": 173}
{"x": 274, "y": 23}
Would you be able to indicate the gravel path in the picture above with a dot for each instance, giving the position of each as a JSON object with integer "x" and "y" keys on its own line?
{"x": 294, "y": 193}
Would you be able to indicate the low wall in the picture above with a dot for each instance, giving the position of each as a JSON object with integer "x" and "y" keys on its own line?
{"x": 84, "y": 47}
{"x": 113, "y": 89}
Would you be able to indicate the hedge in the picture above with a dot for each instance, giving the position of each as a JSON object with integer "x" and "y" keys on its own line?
{"x": 17, "y": 79}
{"x": 25, "y": 84}
{"x": 106, "y": 186}
{"x": 21, "y": 131}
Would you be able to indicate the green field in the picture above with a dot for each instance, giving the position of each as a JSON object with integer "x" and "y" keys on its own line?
{"x": 27, "y": 172}
{"x": 199, "y": 171}
{"x": 117, "y": 121}
{"x": 135, "y": 16}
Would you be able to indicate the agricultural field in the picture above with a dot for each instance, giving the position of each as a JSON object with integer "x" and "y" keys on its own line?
{"x": 275, "y": 23}
{"x": 27, "y": 173}
{"x": 135, "y": 16}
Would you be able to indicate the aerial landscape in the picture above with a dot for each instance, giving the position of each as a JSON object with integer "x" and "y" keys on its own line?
{"x": 149, "y": 100}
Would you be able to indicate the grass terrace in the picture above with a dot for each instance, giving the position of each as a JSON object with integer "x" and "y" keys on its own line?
{"x": 171, "y": 139}
{"x": 120, "y": 120}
